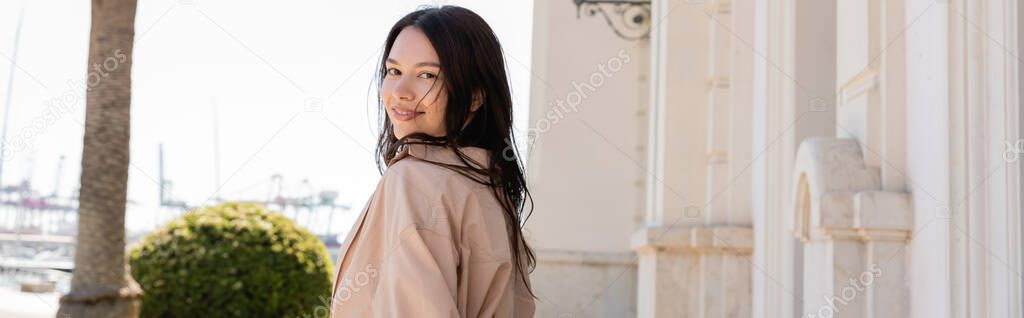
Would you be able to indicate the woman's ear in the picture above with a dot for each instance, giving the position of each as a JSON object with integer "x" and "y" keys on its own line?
{"x": 478, "y": 100}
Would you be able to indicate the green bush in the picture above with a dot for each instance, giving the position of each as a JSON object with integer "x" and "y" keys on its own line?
{"x": 233, "y": 260}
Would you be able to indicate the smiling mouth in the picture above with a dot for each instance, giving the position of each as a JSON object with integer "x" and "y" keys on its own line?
{"x": 403, "y": 115}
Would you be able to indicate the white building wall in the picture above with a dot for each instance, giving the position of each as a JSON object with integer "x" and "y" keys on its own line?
{"x": 586, "y": 162}
{"x": 928, "y": 130}
{"x": 929, "y": 90}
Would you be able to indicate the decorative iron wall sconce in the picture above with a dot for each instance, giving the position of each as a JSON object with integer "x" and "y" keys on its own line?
{"x": 630, "y": 19}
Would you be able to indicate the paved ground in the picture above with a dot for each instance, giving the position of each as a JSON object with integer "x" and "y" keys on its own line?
{"x": 16, "y": 304}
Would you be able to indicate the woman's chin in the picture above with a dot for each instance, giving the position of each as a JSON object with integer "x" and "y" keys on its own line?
{"x": 401, "y": 133}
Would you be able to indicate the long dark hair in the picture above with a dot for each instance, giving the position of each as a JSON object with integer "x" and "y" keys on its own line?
{"x": 472, "y": 62}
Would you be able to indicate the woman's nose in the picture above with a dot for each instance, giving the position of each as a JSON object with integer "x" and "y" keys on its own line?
{"x": 403, "y": 91}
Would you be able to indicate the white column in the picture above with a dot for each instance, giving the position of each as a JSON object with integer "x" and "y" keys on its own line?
{"x": 963, "y": 107}
{"x": 793, "y": 100}
{"x": 668, "y": 279}
{"x": 677, "y": 128}
{"x": 694, "y": 251}
{"x": 854, "y": 235}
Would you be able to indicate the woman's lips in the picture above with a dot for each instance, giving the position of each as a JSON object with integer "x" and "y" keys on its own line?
{"x": 403, "y": 115}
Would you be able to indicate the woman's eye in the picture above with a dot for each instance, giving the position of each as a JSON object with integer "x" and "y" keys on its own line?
{"x": 427, "y": 76}
{"x": 393, "y": 71}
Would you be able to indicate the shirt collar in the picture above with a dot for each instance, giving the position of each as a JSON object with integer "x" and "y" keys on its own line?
{"x": 444, "y": 155}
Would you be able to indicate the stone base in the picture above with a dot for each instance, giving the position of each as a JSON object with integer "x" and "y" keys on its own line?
{"x": 585, "y": 284}
{"x": 694, "y": 272}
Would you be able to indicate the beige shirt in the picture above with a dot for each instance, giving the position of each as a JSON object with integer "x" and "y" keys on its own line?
{"x": 429, "y": 243}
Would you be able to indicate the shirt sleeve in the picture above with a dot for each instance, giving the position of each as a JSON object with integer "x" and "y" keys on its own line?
{"x": 417, "y": 277}
{"x": 426, "y": 271}
{"x": 418, "y": 271}
{"x": 488, "y": 273}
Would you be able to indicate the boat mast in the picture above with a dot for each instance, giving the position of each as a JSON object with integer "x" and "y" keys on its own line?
{"x": 10, "y": 91}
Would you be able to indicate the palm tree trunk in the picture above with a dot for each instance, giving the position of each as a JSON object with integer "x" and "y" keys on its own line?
{"x": 102, "y": 286}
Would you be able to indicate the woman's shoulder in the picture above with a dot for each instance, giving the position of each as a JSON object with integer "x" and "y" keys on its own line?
{"x": 414, "y": 171}
{"x": 439, "y": 167}
{"x": 424, "y": 196}
{"x": 434, "y": 187}
{"x": 427, "y": 187}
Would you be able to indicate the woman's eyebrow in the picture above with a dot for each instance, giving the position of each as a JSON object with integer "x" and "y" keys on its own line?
{"x": 434, "y": 64}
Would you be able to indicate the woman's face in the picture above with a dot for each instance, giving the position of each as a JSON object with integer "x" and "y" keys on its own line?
{"x": 412, "y": 90}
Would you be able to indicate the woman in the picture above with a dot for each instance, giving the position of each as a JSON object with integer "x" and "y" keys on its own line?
{"x": 441, "y": 236}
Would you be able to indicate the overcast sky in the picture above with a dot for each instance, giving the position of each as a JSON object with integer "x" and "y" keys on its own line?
{"x": 260, "y": 62}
